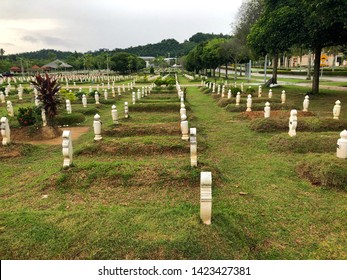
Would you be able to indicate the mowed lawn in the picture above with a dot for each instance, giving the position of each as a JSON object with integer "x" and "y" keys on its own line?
{"x": 135, "y": 196}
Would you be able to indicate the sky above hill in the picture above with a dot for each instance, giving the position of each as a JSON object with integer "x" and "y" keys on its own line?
{"x": 81, "y": 25}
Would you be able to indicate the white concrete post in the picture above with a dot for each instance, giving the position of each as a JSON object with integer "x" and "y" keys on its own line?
{"x": 105, "y": 94}
{"x": 218, "y": 89}
{"x": 5, "y": 131}
{"x": 306, "y": 103}
{"x": 126, "y": 110}
{"x": 9, "y": 108}
{"x": 43, "y": 116}
{"x": 123, "y": 86}
{"x": 90, "y": 89}
{"x": 242, "y": 87}
{"x": 84, "y": 101}
{"x": 223, "y": 91}
{"x": 68, "y": 106}
{"x": 249, "y": 103}
{"x": 114, "y": 114}
{"x": 259, "y": 91}
{"x": 193, "y": 148}
{"x": 337, "y": 110}
{"x": 238, "y": 99}
{"x": 283, "y": 97}
{"x": 97, "y": 128}
{"x": 184, "y": 128}
{"x": 206, "y": 197}
{"x": 97, "y": 98}
{"x": 113, "y": 92}
{"x": 293, "y": 122}
{"x": 138, "y": 94}
{"x": 213, "y": 88}
{"x": 67, "y": 148}
{"x": 341, "y": 151}
{"x": 118, "y": 88}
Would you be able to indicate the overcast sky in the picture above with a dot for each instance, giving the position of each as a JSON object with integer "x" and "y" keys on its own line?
{"x": 83, "y": 25}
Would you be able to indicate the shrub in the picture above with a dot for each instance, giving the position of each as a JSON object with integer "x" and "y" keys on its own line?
{"x": 68, "y": 95}
{"x": 88, "y": 111}
{"x": 69, "y": 119}
{"x": 250, "y": 91}
{"x": 324, "y": 170}
{"x": 29, "y": 116}
{"x": 235, "y": 90}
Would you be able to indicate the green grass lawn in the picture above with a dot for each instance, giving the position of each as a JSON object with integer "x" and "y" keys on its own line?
{"x": 135, "y": 196}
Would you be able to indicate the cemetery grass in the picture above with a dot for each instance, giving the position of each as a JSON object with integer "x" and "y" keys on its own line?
{"x": 118, "y": 202}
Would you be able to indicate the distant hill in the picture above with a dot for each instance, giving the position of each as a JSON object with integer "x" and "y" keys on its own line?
{"x": 163, "y": 48}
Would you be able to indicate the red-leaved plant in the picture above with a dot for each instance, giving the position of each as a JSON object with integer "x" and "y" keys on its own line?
{"x": 48, "y": 89}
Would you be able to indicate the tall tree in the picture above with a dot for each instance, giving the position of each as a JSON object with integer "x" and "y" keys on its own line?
{"x": 324, "y": 24}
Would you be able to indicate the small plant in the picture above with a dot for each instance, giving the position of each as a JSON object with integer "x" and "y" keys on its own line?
{"x": 48, "y": 89}
{"x": 29, "y": 116}
{"x": 250, "y": 91}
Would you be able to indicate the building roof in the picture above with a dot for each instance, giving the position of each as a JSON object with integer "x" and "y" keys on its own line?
{"x": 56, "y": 64}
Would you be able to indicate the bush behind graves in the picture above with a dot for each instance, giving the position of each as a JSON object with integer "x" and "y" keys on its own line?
{"x": 29, "y": 116}
{"x": 305, "y": 142}
{"x": 235, "y": 90}
{"x": 222, "y": 102}
{"x": 68, "y": 95}
{"x": 88, "y": 111}
{"x": 324, "y": 170}
{"x": 69, "y": 119}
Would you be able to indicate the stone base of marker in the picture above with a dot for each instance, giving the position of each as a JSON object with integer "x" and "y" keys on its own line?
{"x": 206, "y": 197}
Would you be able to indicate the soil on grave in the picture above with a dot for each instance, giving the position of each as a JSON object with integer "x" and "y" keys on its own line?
{"x": 147, "y": 129}
{"x": 44, "y": 135}
{"x": 280, "y": 114}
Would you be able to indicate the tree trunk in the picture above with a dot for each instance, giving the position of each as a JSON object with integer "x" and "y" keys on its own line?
{"x": 315, "y": 81}
{"x": 274, "y": 69}
{"x": 235, "y": 70}
{"x": 219, "y": 71}
{"x": 240, "y": 70}
{"x": 226, "y": 70}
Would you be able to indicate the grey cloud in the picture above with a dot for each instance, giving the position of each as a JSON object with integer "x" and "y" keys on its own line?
{"x": 30, "y": 39}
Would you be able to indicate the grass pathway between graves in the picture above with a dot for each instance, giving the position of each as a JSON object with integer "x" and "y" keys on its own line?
{"x": 280, "y": 216}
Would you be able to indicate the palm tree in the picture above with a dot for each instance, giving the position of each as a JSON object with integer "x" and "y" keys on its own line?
{"x": 2, "y": 52}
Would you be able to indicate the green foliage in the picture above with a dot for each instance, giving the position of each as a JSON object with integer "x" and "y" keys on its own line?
{"x": 126, "y": 63}
{"x": 250, "y": 91}
{"x": 69, "y": 119}
{"x": 324, "y": 170}
{"x": 167, "y": 81}
{"x": 151, "y": 70}
{"x": 68, "y": 95}
{"x": 29, "y": 116}
{"x": 88, "y": 111}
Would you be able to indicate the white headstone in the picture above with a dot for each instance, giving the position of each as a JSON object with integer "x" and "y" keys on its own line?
{"x": 2, "y": 97}
{"x": 283, "y": 97}
{"x": 293, "y": 122}
{"x": 259, "y": 91}
{"x": 183, "y": 110}
{"x": 84, "y": 101}
{"x": 97, "y": 128}
{"x": 306, "y": 103}
{"x": 97, "y": 98}
{"x": 206, "y": 197}
{"x": 105, "y": 94}
{"x": 126, "y": 110}
{"x": 267, "y": 110}
{"x": 341, "y": 151}
{"x": 238, "y": 99}
{"x": 270, "y": 93}
{"x": 67, "y": 148}
{"x": 9, "y": 108}
{"x": 134, "y": 97}
{"x": 193, "y": 148}
{"x": 43, "y": 116}
{"x": 184, "y": 128}
{"x": 249, "y": 103}
{"x": 5, "y": 131}
{"x": 337, "y": 110}
{"x": 114, "y": 114}
{"x": 68, "y": 106}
